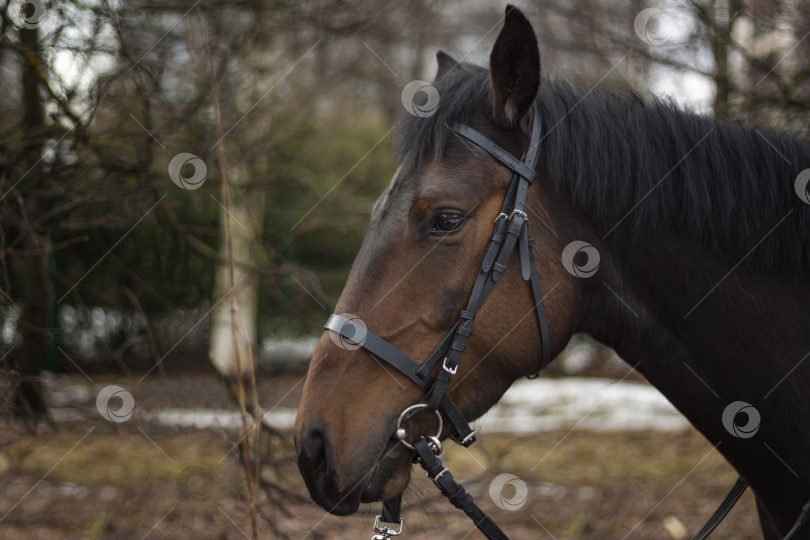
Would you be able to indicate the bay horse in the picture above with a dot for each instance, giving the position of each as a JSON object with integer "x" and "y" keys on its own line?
{"x": 681, "y": 241}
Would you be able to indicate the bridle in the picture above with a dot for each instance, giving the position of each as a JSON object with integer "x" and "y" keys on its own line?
{"x": 510, "y": 230}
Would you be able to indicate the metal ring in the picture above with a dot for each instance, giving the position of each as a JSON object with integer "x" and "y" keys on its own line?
{"x": 412, "y": 408}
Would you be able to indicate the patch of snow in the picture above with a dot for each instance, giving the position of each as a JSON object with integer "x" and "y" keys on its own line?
{"x": 279, "y": 418}
{"x": 581, "y": 403}
{"x": 529, "y": 406}
{"x": 280, "y": 351}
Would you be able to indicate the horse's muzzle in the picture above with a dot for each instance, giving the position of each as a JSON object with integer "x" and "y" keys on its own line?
{"x": 369, "y": 477}
{"x": 316, "y": 463}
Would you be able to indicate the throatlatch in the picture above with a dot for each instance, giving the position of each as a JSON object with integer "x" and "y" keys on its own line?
{"x": 511, "y": 229}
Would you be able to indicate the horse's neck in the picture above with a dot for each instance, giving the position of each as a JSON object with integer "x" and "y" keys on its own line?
{"x": 707, "y": 338}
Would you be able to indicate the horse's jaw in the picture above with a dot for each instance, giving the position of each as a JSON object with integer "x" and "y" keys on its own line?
{"x": 391, "y": 474}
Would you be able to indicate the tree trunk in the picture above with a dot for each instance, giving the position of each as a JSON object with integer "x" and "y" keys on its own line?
{"x": 720, "y": 46}
{"x": 33, "y": 272}
{"x": 36, "y": 299}
{"x": 246, "y": 222}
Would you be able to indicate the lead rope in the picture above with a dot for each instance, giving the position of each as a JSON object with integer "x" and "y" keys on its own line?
{"x": 455, "y": 493}
{"x": 391, "y": 508}
{"x": 800, "y": 521}
{"x": 429, "y": 452}
{"x": 722, "y": 511}
{"x": 731, "y": 499}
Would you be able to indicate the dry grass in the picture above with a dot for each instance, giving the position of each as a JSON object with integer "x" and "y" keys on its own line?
{"x": 116, "y": 483}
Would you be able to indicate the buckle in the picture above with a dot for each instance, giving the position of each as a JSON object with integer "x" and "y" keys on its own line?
{"x": 447, "y": 369}
{"x": 520, "y": 213}
{"x": 469, "y": 439}
{"x": 438, "y": 477}
{"x": 500, "y": 216}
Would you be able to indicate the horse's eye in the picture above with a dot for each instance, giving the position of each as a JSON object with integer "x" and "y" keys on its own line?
{"x": 447, "y": 222}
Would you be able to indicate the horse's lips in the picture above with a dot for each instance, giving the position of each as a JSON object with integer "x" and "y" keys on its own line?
{"x": 392, "y": 461}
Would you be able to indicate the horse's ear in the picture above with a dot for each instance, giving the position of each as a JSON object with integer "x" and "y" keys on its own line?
{"x": 514, "y": 66}
{"x": 446, "y": 63}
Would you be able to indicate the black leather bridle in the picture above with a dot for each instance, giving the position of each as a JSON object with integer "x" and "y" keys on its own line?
{"x": 510, "y": 230}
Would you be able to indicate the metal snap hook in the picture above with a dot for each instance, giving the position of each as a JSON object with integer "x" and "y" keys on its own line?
{"x": 401, "y": 432}
{"x": 384, "y": 533}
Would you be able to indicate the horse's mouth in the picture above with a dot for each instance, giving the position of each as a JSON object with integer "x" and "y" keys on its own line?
{"x": 390, "y": 475}
{"x": 388, "y": 478}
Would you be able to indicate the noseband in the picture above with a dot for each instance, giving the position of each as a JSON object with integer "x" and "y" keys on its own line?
{"x": 511, "y": 229}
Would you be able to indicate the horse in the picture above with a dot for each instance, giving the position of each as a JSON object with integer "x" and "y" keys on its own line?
{"x": 679, "y": 240}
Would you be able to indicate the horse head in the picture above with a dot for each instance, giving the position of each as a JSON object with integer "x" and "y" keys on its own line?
{"x": 416, "y": 270}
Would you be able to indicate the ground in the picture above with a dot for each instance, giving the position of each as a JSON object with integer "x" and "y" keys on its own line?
{"x": 91, "y": 479}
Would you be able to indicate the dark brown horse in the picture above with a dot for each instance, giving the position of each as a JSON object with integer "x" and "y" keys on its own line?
{"x": 702, "y": 233}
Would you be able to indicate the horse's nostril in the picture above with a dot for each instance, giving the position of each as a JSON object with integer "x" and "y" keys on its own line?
{"x": 317, "y": 466}
{"x": 313, "y": 453}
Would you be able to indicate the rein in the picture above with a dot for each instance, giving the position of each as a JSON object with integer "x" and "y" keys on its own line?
{"x": 510, "y": 230}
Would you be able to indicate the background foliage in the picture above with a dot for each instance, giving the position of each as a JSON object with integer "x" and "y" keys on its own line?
{"x": 104, "y": 257}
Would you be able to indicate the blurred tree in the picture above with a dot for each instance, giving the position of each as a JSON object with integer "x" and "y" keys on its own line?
{"x": 35, "y": 287}
{"x": 98, "y": 99}
{"x": 753, "y": 53}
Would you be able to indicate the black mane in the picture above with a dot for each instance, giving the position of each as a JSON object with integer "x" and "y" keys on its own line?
{"x": 606, "y": 151}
